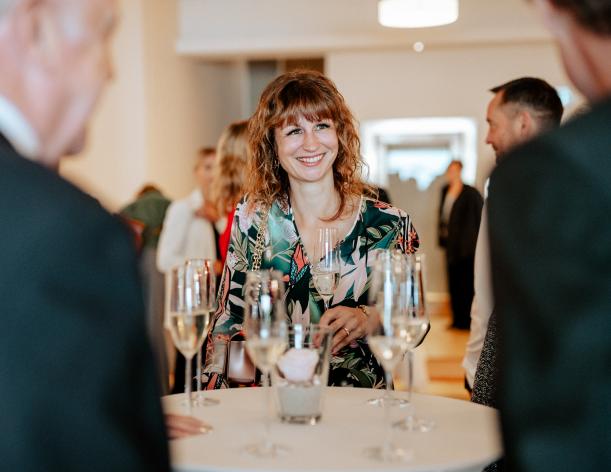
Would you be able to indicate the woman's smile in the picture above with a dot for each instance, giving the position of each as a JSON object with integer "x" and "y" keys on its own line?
{"x": 311, "y": 161}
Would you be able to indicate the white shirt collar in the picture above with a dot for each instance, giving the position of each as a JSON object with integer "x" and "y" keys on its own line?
{"x": 17, "y": 130}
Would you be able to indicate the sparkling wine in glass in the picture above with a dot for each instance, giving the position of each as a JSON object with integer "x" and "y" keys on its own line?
{"x": 389, "y": 347}
{"x": 416, "y": 326}
{"x": 384, "y": 296}
{"x": 204, "y": 298}
{"x": 325, "y": 266}
{"x": 266, "y": 329}
{"x": 187, "y": 319}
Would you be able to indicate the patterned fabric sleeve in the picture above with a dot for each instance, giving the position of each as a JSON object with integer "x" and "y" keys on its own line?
{"x": 230, "y": 312}
{"x": 404, "y": 235}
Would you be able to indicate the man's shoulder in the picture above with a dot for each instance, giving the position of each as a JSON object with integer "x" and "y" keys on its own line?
{"x": 470, "y": 191}
{"x": 580, "y": 146}
{"x": 33, "y": 195}
{"x": 586, "y": 133}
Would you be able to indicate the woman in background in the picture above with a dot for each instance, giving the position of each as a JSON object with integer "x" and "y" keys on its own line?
{"x": 228, "y": 176}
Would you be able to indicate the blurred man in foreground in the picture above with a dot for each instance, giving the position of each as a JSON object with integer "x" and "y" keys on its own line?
{"x": 552, "y": 271}
{"x": 78, "y": 383}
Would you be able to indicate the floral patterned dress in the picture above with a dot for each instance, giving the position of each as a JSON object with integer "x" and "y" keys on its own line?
{"x": 377, "y": 226}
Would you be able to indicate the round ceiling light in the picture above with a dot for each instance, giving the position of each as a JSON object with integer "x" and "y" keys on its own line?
{"x": 417, "y": 13}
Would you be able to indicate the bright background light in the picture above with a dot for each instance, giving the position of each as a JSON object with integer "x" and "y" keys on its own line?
{"x": 417, "y": 13}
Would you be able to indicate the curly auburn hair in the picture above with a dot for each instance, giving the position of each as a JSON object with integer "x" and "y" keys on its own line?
{"x": 230, "y": 167}
{"x": 315, "y": 97}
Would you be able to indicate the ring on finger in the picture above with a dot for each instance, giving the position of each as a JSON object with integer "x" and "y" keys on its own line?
{"x": 346, "y": 330}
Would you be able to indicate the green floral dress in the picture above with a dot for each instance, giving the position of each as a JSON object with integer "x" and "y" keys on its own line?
{"x": 378, "y": 226}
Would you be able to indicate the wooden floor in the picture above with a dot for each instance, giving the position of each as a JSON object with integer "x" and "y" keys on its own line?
{"x": 444, "y": 349}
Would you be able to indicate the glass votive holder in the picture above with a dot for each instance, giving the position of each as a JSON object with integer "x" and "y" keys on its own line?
{"x": 301, "y": 374}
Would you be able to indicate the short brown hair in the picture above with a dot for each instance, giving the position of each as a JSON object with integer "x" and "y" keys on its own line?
{"x": 315, "y": 97}
{"x": 230, "y": 166}
{"x": 535, "y": 94}
{"x": 594, "y": 15}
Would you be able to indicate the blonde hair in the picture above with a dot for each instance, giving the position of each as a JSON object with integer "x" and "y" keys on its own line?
{"x": 230, "y": 167}
{"x": 315, "y": 97}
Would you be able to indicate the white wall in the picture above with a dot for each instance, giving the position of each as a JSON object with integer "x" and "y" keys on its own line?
{"x": 188, "y": 103}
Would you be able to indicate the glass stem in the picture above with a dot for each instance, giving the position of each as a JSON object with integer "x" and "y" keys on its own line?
{"x": 387, "y": 397}
{"x": 410, "y": 374}
{"x": 188, "y": 383}
{"x": 387, "y": 446}
{"x": 409, "y": 420}
{"x": 326, "y": 302}
{"x": 268, "y": 408}
{"x": 199, "y": 371}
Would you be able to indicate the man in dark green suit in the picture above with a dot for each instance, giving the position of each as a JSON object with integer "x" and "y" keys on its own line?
{"x": 550, "y": 234}
{"x": 77, "y": 386}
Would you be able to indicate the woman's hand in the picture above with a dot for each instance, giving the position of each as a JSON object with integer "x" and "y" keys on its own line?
{"x": 346, "y": 324}
{"x": 179, "y": 426}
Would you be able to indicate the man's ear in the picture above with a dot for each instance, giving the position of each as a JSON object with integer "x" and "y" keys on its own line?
{"x": 527, "y": 124}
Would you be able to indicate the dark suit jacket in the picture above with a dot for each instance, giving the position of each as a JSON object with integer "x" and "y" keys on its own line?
{"x": 463, "y": 225}
{"x": 550, "y": 229}
{"x": 77, "y": 387}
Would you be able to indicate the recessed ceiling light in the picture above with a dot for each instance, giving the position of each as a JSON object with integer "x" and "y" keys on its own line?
{"x": 418, "y": 46}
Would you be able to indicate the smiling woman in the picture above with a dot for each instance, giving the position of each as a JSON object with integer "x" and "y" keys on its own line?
{"x": 304, "y": 176}
{"x": 295, "y": 111}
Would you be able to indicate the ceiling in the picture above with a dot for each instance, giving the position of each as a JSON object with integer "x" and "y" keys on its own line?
{"x": 272, "y": 28}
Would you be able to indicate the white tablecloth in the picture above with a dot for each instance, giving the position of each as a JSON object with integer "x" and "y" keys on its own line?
{"x": 466, "y": 437}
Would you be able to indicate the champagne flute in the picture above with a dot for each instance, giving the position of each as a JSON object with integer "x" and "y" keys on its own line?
{"x": 389, "y": 347}
{"x": 325, "y": 267}
{"x": 188, "y": 321}
{"x": 384, "y": 295}
{"x": 413, "y": 307}
{"x": 266, "y": 330}
{"x": 204, "y": 298}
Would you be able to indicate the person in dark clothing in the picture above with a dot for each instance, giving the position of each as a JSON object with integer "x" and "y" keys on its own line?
{"x": 459, "y": 218}
{"x": 552, "y": 275}
{"x": 383, "y": 196}
{"x": 78, "y": 378}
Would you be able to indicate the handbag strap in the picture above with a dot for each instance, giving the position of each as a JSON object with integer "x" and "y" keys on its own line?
{"x": 257, "y": 256}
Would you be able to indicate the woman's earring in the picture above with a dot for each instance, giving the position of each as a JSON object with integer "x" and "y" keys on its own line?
{"x": 275, "y": 164}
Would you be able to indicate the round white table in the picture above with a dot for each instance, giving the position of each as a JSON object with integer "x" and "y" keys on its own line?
{"x": 466, "y": 436}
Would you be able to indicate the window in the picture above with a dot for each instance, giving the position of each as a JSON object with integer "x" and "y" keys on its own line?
{"x": 419, "y": 148}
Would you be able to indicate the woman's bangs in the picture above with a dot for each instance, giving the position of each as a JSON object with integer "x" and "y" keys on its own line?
{"x": 311, "y": 104}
